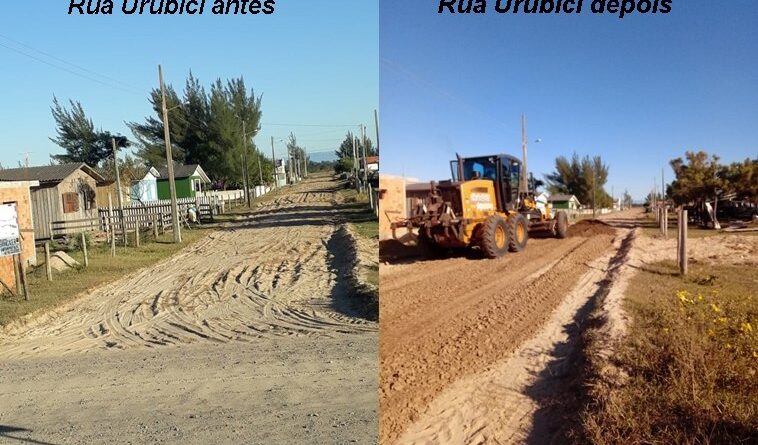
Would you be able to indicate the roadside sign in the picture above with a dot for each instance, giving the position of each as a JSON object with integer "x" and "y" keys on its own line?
{"x": 10, "y": 243}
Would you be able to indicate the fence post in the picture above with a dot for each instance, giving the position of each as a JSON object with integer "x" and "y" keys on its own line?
{"x": 124, "y": 228}
{"x": 17, "y": 272}
{"x": 48, "y": 266}
{"x": 136, "y": 235}
{"x": 155, "y": 226}
{"x": 683, "y": 243}
{"x": 24, "y": 281}
{"x": 84, "y": 250}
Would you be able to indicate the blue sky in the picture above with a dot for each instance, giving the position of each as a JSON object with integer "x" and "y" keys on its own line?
{"x": 638, "y": 91}
{"x": 313, "y": 63}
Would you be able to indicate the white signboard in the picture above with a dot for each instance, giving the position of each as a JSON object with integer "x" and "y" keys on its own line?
{"x": 9, "y": 234}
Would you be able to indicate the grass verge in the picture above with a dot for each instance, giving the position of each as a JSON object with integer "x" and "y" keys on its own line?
{"x": 103, "y": 268}
{"x": 688, "y": 363}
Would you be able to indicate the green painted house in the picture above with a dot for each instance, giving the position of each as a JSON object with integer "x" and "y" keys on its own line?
{"x": 566, "y": 202}
{"x": 190, "y": 181}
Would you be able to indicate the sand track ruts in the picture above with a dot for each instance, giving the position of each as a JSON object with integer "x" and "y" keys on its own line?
{"x": 442, "y": 321}
{"x": 265, "y": 275}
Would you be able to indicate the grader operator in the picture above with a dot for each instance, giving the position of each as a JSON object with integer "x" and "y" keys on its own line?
{"x": 488, "y": 204}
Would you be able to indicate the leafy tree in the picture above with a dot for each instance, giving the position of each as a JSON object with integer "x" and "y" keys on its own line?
{"x": 206, "y": 129}
{"x": 345, "y": 152}
{"x": 697, "y": 178}
{"x": 585, "y": 178}
{"x": 77, "y": 135}
{"x": 741, "y": 178}
{"x": 626, "y": 200}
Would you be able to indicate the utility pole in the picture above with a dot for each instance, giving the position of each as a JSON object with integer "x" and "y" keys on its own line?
{"x": 273, "y": 159}
{"x": 355, "y": 164}
{"x": 260, "y": 167}
{"x": 305, "y": 161}
{"x": 376, "y": 125}
{"x": 118, "y": 176}
{"x": 365, "y": 159}
{"x": 245, "y": 178}
{"x": 524, "y": 186}
{"x": 170, "y": 163}
{"x": 594, "y": 212}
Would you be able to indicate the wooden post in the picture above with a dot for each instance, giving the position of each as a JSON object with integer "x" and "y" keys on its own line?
{"x": 110, "y": 224}
{"x": 136, "y": 235}
{"x": 24, "y": 281}
{"x": 155, "y": 226}
{"x": 84, "y": 250}
{"x": 683, "y": 266}
{"x": 17, "y": 273}
{"x": 124, "y": 228}
{"x": 48, "y": 266}
{"x": 665, "y": 221}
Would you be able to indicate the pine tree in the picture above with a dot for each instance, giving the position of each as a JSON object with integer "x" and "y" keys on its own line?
{"x": 77, "y": 135}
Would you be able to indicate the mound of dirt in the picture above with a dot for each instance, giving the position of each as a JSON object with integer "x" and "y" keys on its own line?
{"x": 60, "y": 261}
{"x": 590, "y": 227}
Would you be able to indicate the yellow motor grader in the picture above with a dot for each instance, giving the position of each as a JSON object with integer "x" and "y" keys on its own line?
{"x": 488, "y": 204}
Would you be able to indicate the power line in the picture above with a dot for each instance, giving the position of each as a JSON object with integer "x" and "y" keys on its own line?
{"x": 68, "y": 63}
{"x": 109, "y": 85}
{"x": 311, "y": 125}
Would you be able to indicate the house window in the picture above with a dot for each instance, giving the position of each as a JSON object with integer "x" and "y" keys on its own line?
{"x": 70, "y": 202}
{"x": 198, "y": 185}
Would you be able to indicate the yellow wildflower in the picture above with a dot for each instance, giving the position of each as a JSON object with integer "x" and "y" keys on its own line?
{"x": 746, "y": 328}
{"x": 715, "y": 308}
{"x": 723, "y": 320}
{"x": 711, "y": 333}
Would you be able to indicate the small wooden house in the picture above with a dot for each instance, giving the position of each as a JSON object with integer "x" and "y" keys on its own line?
{"x": 146, "y": 189}
{"x": 565, "y": 202}
{"x": 18, "y": 195}
{"x": 190, "y": 181}
{"x": 109, "y": 187}
{"x": 66, "y": 192}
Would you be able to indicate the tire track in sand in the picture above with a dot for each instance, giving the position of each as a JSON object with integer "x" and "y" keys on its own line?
{"x": 442, "y": 321}
{"x": 266, "y": 275}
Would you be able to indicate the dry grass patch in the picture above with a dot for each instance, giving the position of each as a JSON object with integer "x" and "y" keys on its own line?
{"x": 688, "y": 366}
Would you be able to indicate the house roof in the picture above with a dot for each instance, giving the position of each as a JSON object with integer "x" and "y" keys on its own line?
{"x": 372, "y": 159}
{"x": 184, "y": 171}
{"x": 48, "y": 174}
{"x": 562, "y": 198}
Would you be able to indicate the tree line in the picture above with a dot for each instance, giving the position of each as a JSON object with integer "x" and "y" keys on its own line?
{"x": 584, "y": 178}
{"x": 702, "y": 177}
{"x": 206, "y": 128}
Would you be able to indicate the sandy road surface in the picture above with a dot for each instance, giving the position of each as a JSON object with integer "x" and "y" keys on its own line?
{"x": 249, "y": 329}
{"x": 445, "y": 321}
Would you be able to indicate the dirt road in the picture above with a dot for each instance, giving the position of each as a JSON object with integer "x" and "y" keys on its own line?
{"x": 250, "y": 336}
{"x": 446, "y": 324}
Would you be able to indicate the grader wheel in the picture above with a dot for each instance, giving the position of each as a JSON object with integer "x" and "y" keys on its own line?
{"x": 561, "y": 225}
{"x": 519, "y": 233}
{"x": 494, "y": 237}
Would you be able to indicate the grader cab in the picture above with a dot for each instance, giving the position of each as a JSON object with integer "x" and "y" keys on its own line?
{"x": 487, "y": 204}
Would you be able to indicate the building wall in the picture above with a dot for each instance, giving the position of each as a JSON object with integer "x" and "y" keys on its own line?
{"x": 183, "y": 189}
{"x": 392, "y": 203}
{"x": 112, "y": 189}
{"x": 145, "y": 190}
{"x": 20, "y": 195}
{"x": 47, "y": 204}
